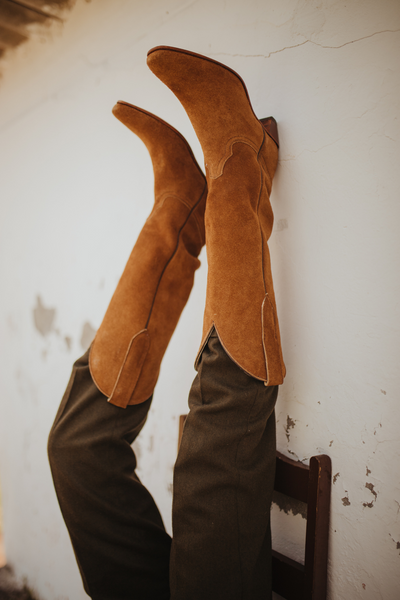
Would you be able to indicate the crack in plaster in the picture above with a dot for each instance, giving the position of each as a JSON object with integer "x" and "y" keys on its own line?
{"x": 313, "y": 151}
{"x": 308, "y": 42}
{"x": 382, "y": 135}
{"x": 375, "y": 133}
{"x": 295, "y": 455}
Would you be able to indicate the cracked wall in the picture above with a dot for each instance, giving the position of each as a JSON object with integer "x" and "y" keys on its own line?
{"x": 76, "y": 188}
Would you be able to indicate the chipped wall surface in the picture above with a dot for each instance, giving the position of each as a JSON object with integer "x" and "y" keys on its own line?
{"x": 76, "y": 187}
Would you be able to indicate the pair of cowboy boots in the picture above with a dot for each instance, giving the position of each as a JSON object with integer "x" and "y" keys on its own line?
{"x": 230, "y": 211}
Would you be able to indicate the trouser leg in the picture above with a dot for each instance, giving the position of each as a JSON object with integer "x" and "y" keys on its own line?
{"x": 116, "y": 530}
{"x": 223, "y": 485}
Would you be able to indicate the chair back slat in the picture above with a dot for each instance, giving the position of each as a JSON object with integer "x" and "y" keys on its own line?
{"x": 291, "y": 478}
{"x": 287, "y": 577}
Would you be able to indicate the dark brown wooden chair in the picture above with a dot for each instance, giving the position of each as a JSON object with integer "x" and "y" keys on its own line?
{"x": 311, "y": 485}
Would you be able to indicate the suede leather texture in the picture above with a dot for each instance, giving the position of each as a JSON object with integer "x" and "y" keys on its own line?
{"x": 240, "y": 160}
{"x": 128, "y": 348}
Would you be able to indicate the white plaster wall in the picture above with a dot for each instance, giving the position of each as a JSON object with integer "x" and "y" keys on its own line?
{"x": 76, "y": 187}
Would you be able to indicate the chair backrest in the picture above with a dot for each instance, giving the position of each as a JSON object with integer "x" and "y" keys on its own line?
{"x": 290, "y": 579}
{"x": 312, "y": 485}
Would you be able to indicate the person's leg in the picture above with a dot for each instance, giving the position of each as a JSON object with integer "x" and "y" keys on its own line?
{"x": 145, "y": 308}
{"x": 223, "y": 485}
{"x": 241, "y": 156}
{"x": 116, "y": 530}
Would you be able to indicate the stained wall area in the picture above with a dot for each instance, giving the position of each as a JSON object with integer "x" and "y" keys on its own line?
{"x": 76, "y": 187}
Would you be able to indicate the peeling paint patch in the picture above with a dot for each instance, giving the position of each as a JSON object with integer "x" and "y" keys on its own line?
{"x": 330, "y": 443}
{"x": 290, "y": 424}
{"x": 87, "y": 336}
{"x": 335, "y": 477}
{"x": 43, "y": 317}
{"x": 368, "y": 471}
{"x": 364, "y": 586}
{"x": 397, "y": 543}
{"x": 383, "y": 392}
{"x": 370, "y": 487}
{"x": 346, "y": 501}
{"x": 289, "y": 505}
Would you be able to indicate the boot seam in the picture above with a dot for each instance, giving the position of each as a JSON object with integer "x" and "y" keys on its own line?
{"x": 229, "y": 148}
{"x": 164, "y": 197}
{"x": 171, "y": 257}
{"x": 196, "y": 217}
{"x": 262, "y": 260}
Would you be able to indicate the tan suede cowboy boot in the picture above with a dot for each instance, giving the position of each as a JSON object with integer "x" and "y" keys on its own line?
{"x": 126, "y": 353}
{"x": 241, "y": 155}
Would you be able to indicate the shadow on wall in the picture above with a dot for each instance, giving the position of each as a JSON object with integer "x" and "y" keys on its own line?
{"x": 44, "y": 320}
{"x": 18, "y": 20}
{"x": 10, "y": 589}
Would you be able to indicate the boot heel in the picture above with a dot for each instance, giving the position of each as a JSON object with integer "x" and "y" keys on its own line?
{"x": 271, "y": 127}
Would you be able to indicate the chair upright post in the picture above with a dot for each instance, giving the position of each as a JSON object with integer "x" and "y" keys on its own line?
{"x": 318, "y": 506}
